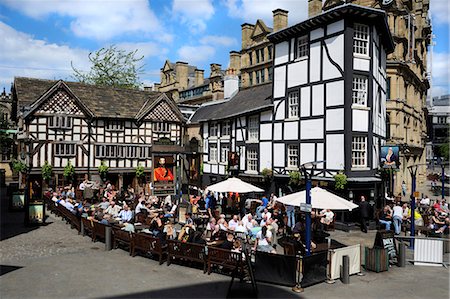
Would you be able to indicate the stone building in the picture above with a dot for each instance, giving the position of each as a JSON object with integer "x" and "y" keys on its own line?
{"x": 253, "y": 63}
{"x": 187, "y": 84}
{"x": 438, "y": 126}
{"x": 6, "y": 123}
{"x": 407, "y": 79}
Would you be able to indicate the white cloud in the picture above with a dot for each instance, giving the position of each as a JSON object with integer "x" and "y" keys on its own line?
{"x": 22, "y": 55}
{"x": 441, "y": 74}
{"x": 147, "y": 50}
{"x": 440, "y": 11}
{"x": 218, "y": 40}
{"x": 251, "y": 10}
{"x": 193, "y": 13}
{"x": 97, "y": 19}
{"x": 196, "y": 54}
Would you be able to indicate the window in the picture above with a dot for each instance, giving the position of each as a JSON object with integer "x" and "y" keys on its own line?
{"x": 213, "y": 152}
{"x": 213, "y": 128}
{"x": 269, "y": 52}
{"x": 361, "y": 39}
{"x": 441, "y": 120}
{"x": 302, "y": 47}
{"x": 113, "y": 151}
{"x": 65, "y": 149}
{"x": 293, "y": 156}
{"x": 114, "y": 125}
{"x": 251, "y": 78}
{"x": 261, "y": 55}
{"x": 263, "y": 79}
{"x": 160, "y": 127}
{"x": 253, "y": 128}
{"x": 388, "y": 126}
{"x": 226, "y": 129}
{"x": 270, "y": 70}
{"x": 388, "y": 88}
{"x": 250, "y": 56}
{"x": 258, "y": 77}
{"x": 293, "y": 104}
{"x": 257, "y": 56}
{"x": 359, "y": 91}
{"x": 359, "y": 151}
{"x": 252, "y": 160}
{"x": 224, "y": 153}
{"x": 60, "y": 122}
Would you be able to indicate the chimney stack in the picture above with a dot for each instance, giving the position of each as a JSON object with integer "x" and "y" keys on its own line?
{"x": 314, "y": 8}
{"x": 230, "y": 84}
{"x": 235, "y": 61}
{"x": 181, "y": 69}
{"x": 280, "y": 19}
{"x": 247, "y": 30}
{"x": 199, "y": 77}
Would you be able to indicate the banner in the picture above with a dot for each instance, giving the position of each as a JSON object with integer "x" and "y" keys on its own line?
{"x": 353, "y": 252}
{"x": 163, "y": 175}
{"x": 390, "y": 157}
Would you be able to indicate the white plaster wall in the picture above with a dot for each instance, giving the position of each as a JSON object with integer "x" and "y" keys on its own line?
{"x": 335, "y": 93}
{"x": 335, "y": 47}
{"x": 316, "y": 33}
{"x": 281, "y": 52}
{"x": 265, "y": 155}
{"x": 291, "y": 130}
{"x": 305, "y": 101}
{"x": 315, "y": 62}
{"x": 311, "y": 129}
{"x": 320, "y": 154}
{"x": 361, "y": 64}
{"x": 360, "y": 120}
{"x": 222, "y": 169}
{"x": 266, "y": 115}
{"x": 277, "y": 134}
{"x": 335, "y": 119}
{"x": 307, "y": 152}
{"x": 335, "y": 151}
{"x": 242, "y": 158}
{"x": 278, "y": 155}
{"x": 279, "y": 77}
{"x": 335, "y": 27}
{"x": 215, "y": 168}
{"x": 265, "y": 132}
{"x": 298, "y": 73}
{"x": 280, "y": 112}
{"x": 317, "y": 100}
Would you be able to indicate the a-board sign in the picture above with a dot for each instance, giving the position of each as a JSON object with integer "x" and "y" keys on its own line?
{"x": 385, "y": 239}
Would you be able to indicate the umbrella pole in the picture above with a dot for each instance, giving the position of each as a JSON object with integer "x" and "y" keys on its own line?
{"x": 308, "y": 216}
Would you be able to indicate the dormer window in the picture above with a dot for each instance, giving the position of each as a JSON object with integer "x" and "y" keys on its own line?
{"x": 114, "y": 125}
{"x": 60, "y": 122}
{"x": 160, "y": 127}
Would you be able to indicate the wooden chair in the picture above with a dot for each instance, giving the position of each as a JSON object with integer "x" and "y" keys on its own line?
{"x": 121, "y": 237}
{"x": 88, "y": 227}
{"x": 147, "y": 243}
{"x": 99, "y": 231}
{"x": 186, "y": 251}
{"x": 225, "y": 258}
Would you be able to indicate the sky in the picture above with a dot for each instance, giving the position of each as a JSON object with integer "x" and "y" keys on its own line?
{"x": 42, "y": 38}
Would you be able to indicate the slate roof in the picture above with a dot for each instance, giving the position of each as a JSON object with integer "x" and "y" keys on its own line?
{"x": 101, "y": 101}
{"x": 247, "y": 100}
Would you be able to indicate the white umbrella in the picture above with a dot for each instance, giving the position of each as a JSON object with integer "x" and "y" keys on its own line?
{"x": 234, "y": 185}
{"x": 320, "y": 199}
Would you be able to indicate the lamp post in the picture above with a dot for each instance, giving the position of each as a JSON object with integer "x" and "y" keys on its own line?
{"x": 413, "y": 172}
{"x": 308, "y": 201}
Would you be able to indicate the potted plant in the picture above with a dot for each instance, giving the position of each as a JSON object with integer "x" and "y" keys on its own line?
{"x": 103, "y": 170}
{"x": 47, "y": 171}
{"x": 69, "y": 171}
{"x": 19, "y": 166}
{"x": 140, "y": 172}
{"x": 294, "y": 178}
{"x": 340, "y": 181}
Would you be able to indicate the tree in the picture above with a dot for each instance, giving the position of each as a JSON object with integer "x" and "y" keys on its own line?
{"x": 112, "y": 67}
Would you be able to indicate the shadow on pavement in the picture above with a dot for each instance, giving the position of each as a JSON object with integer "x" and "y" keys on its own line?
{"x": 6, "y": 269}
{"x": 214, "y": 290}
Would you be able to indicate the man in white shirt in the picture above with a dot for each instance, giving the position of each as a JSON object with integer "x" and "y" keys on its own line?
{"x": 425, "y": 201}
{"x": 397, "y": 218}
{"x": 263, "y": 240}
{"x": 327, "y": 216}
{"x": 82, "y": 186}
{"x": 125, "y": 215}
{"x": 113, "y": 209}
{"x": 140, "y": 206}
{"x": 266, "y": 214}
{"x": 233, "y": 223}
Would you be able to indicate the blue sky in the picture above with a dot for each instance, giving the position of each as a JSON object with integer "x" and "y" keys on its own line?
{"x": 40, "y": 38}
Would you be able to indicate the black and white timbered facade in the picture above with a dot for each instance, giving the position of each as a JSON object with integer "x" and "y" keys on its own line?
{"x": 328, "y": 102}
{"x": 66, "y": 121}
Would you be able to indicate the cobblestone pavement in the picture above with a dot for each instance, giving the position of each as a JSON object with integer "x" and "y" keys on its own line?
{"x": 55, "y": 262}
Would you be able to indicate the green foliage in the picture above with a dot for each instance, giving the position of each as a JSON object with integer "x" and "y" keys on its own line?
{"x": 294, "y": 178}
{"x": 340, "y": 181}
{"x": 140, "y": 171}
{"x": 69, "y": 170}
{"x": 112, "y": 67}
{"x": 19, "y": 166}
{"x": 267, "y": 172}
{"x": 103, "y": 169}
{"x": 442, "y": 151}
{"x": 201, "y": 169}
{"x": 47, "y": 170}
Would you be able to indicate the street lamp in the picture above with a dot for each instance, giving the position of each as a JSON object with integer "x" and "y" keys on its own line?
{"x": 413, "y": 171}
{"x": 308, "y": 176}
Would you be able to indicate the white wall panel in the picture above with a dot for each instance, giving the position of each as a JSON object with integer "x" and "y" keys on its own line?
{"x": 305, "y": 101}
{"x": 265, "y": 155}
{"x": 280, "y": 112}
{"x": 335, "y": 47}
{"x": 307, "y": 152}
{"x": 320, "y": 154}
{"x": 317, "y": 100}
{"x": 311, "y": 129}
{"x": 266, "y": 115}
{"x": 335, "y": 119}
{"x": 279, "y": 77}
{"x": 335, "y": 151}
{"x": 315, "y": 62}
{"x": 317, "y": 33}
{"x": 206, "y": 168}
{"x": 298, "y": 73}
{"x": 291, "y": 54}
{"x": 278, "y": 154}
{"x": 277, "y": 131}
{"x": 281, "y": 52}
{"x": 291, "y": 130}
{"x": 335, "y": 93}
{"x": 361, "y": 64}
{"x": 265, "y": 132}
{"x": 360, "y": 120}
{"x": 242, "y": 158}
{"x": 335, "y": 27}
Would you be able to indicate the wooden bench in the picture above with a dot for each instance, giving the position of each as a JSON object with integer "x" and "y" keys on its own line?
{"x": 147, "y": 243}
{"x": 121, "y": 237}
{"x": 186, "y": 251}
{"x": 88, "y": 227}
{"x": 99, "y": 231}
{"x": 226, "y": 259}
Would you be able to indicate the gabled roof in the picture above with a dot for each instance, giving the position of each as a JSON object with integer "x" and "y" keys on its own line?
{"x": 101, "y": 102}
{"x": 260, "y": 29}
{"x": 246, "y": 101}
